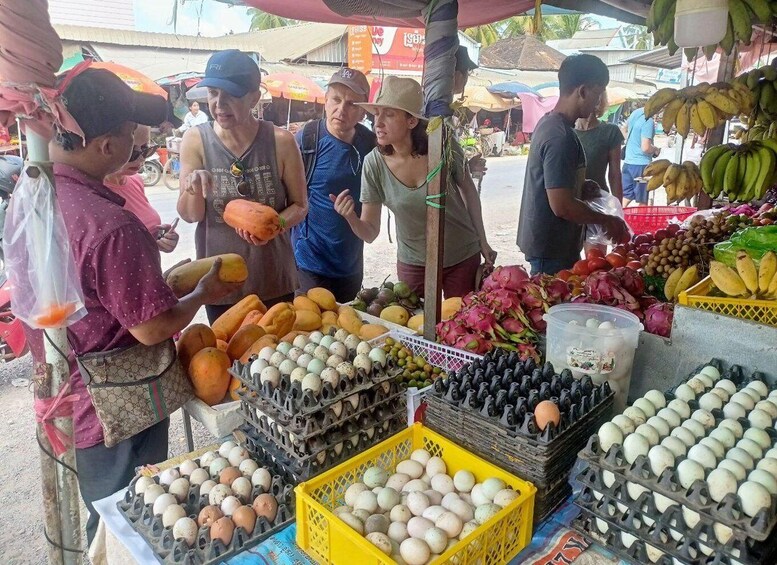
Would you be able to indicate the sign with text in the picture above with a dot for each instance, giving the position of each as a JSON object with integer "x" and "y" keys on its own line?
{"x": 390, "y": 48}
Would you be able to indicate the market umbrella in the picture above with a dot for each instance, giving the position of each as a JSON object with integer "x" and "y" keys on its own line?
{"x": 510, "y": 89}
{"x": 619, "y": 94}
{"x": 481, "y": 98}
{"x": 134, "y": 79}
{"x": 292, "y": 86}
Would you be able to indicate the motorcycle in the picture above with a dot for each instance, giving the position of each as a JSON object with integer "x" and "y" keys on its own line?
{"x": 152, "y": 170}
{"x": 13, "y": 342}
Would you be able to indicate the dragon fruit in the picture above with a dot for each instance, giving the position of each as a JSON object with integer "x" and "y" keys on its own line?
{"x": 532, "y": 295}
{"x": 450, "y": 331}
{"x": 528, "y": 351}
{"x": 479, "y": 318}
{"x": 505, "y": 277}
{"x": 535, "y": 318}
{"x": 630, "y": 280}
{"x": 601, "y": 286}
{"x": 558, "y": 291}
{"x": 658, "y": 319}
{"x": 502, "y": 301}
{"x": 474, "y": 343}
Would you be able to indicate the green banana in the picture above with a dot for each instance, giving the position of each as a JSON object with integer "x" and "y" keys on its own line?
{"x": 707, "y": 165}
{"x": 727, "y": 43}
{"x": 760, "y": 9}
{"x": 731, "y": 175}
{"x": 740, "y": 17}
{"x": 767, "y": 97}
{"x": 766, "y": 161}
{"x": 748, "y": 175}
{"x": 719, "y": 171}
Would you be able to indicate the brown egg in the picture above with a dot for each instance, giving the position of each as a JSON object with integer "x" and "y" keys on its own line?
{"x": 244, "y": 517}
{"x": 222, "y": 529}
{"x": 266, "y": 506}
{"x": 545, "y": 412}
{"x": 209, "y": 515}
{"x": 228, "y": 475}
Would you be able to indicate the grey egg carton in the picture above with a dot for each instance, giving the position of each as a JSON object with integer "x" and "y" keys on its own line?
{"x": 315, "y": 424}
{"x": 205, "y": 551}
{"x": 301, "y": 470}
{"x": 336, "y": 431}
{"x": 642, "y": 519}
{"x": 289, "y": 399}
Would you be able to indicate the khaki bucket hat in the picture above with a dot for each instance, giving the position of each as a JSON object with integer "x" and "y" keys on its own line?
{"x": 401, "y": 93}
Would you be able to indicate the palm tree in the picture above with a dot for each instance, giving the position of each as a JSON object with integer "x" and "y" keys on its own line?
{"x": 636, "y": 37}
{"x": 262, "y": 20}
{"x": 485, "y": 34}
{"x": 565, "y": 26}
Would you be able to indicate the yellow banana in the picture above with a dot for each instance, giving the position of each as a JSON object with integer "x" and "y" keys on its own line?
{"x": 766, "y": 271}
{"x": 747, "y": 271}
{"x": 721, "y": 102}
{"x": 690, "y": 277}
{"x": 671, "y": 283}
{"x": 772, "y": 290}
{"x": 727, "y": 279}
{"x": 654, "y": 182}
{"x": 670, "y": 113}
{"x": 657, "y": 167}
{"x": 671, "y": 174}
{"x": 706, "y": 113}
{"x": 681, "y": 186}
{"x": 696, "y": 124}
{"x": 683, "y": 122}
{"x": 661, "y": 98}
{"x": 671, "y": 192}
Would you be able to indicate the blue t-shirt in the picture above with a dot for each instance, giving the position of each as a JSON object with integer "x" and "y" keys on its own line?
{"x": 638, "y": 128}
{"x": 324, "y": 243}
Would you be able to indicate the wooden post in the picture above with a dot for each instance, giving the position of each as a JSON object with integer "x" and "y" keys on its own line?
{"x": 435, "y": 233}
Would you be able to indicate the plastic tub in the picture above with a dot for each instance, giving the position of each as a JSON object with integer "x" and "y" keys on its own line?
{"x": 575, "y": 342}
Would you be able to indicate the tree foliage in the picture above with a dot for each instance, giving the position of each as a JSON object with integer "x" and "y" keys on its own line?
{"x": 262, "y": 20}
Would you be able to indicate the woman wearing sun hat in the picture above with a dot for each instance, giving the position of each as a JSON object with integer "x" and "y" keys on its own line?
{"x": 394, "y": 174}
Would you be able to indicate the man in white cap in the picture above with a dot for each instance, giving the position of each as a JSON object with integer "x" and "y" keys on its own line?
{"x": 327, "y": 252}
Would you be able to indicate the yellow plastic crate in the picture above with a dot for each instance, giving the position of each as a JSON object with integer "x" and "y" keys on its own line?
{"x": 327, "y": 539}
{"x": 698, "y": 296}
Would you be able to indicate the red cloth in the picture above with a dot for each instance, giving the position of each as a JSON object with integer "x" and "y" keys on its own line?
{"x": 121, "y": 277}
{"x": 457, "y": 280}
{"x": 47, "y": 409}
{"x": 135, "y": 200}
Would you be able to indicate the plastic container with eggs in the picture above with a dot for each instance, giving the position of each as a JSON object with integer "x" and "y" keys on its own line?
{"x": 314, "y": 372}
{"x": 518, "y": 395}
{"x": 300, "y": 470}
{"x": 332, "y": 431}
{"x": 209, "y": 508}
{"x": 630, "y": 512}
{"x": 709, "y": 447}
{"x": 599, "y": 341}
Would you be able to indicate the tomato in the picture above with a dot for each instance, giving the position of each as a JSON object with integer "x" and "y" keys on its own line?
{"x": 594, "y": 253}
{"x": 581, "y": 268}
{"x": 598, "y": 264}
{"x": 636, "y": 265}
{"x": 564, "y": 274}
{"x": 616, "y": 260}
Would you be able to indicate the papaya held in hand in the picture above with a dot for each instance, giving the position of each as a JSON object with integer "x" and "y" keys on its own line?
{"x": 261, "y": 221}
{"x": 184, "y": 278}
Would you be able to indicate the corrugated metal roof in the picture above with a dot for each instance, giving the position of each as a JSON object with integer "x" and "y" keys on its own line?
{"x": 586, "y": 39}
{"x": 658, "y": 58}
{"x": 291, "y": 43}
{"x": 523, "y": 52}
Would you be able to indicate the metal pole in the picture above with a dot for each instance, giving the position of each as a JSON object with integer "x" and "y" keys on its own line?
{"x": 55, "y": 342}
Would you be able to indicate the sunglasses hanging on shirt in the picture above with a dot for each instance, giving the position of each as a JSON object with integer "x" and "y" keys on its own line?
{"x": 238, "y": 171}
{"x": 146, "y": 151}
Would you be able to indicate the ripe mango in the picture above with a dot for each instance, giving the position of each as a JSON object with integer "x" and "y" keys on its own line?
{"x": 329, "y": 318}
{"x": 307, "y": 321}
{"x": 395, "y": 315}
{"x": 324, "y": 298}
{"x": 305, "y": 303}
{"x": 416, "y": 323}
{"x": 450, "y": 307}
{"x": 371, "y": 331}
{"x": 349, "y": 320}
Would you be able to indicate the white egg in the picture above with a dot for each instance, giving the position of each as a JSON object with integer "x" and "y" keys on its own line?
{"x": 753, "y": 497}
{"x": 680, "y": 407}
{"x": 400, "y": 513}
{"x": 660, "y": 459}
{"x": 346, "y": 369}
{"x": 218, "y": 465}
{"x": 327, "y": 341}
{"x": 717, "y": 448}
{"x": 311, "y": 382}
{"x": 185, "y": 529}
{"x": 704, "y": 417}
{"x": 688, "y": 472}
{"x": 772, "y": 453}
{"x": 270, "y": 375}
{"x": 755, "y": 450}
{"x": 300, "y": 341}
{"x": 608, "y": 478}
{"x": 295, "y": 353}
{"x": 266, "y": 354}
{"x": 724, "y": 436}
{"x": 634, "y": 490}
{"x": 767, "y": 406}
{"x": 609, "y": 435}
{"x": 635, "y": 415}
{"x": 179, "y": 489}
{"x": 262, "y": 478}
{"x": 152, "y": 492}
{"x": 740, "y": 455}
{"x": 414, "y": 550}
{"x": 398, "y": 531}
{"x": 592, "y": 323}
{"x": 199, "y": 476}
{"x": 759, "y": 436}
{"x": 660, "y": 425}
{"x": 492, "y": 486}
{"x": 242, "y": 488}
{"x": 684, "y": 435}
{"x": 277, "y": 358}
{"x": 162, "y": 502}
{"x": 662, "y": 502}
{"x": 321, "y": 353}
{"x": 711, "y": 372}
{"x": 744, "y": 399}
{"x": 187, "y": 467}
{"x": 690, "y": 517}
{"x": 316, "y": 337}
{"x": 435, "y": 466}
{"x": 727, "y": 385}
{"x": 247, "y": 467}
{"x": 309, "y": 350}
{"x": 143, "y": 483}
{"x": 297, "y": 375}
{"x": 695, "y": 428}
{"x": 765, "y": 479}
{"x": 684, "y": 392}
{"x": 656, "y": 398}
{"x": 646, "y": 406}
{"x": 676, "y": 446}
{"x": 710, "y": 401}
{"x": 442, "y": 483}
{"x": 478, "y": 498}
{"x": 734, "y": 410}
{"x": 334, "y": 360}
{"x": 722, "y": 533}
{"x": 672, "y": 418}
{"x": 363, "y": 362}
{"x": 768, "y": 464}
{"x": 635, "y": 445}
{"x": 721, "y": 393}
{"x": 759, "y": 419}
{"x": 218, "y": 493}
{"x": 733, "y": 425}
{"x": 331, "y": 376}
{"x": 720, "y": 483}
{"x": 378, "y": 356}
{"x": 305, "y": 359}
{"x": 207, "y": 486}
{"x": 735, "y": 467}
{"x": 708, "y": 382}
{"x": 703, "y": 455}
{"x": 649, "y": 432}
{"x": 625, "y": 424}
{"x": 363, "y": 348}
{"x": 696, "y": 385}
{"x": 237, "y": 455}
{"x": 229, "y": 505}
{"x": 287, "y": 367}
{"x": 167, "y": 476}
{"x": 758, "y": 386}
{"x": 464, "y": 480}
{"x": 339, "y": 349}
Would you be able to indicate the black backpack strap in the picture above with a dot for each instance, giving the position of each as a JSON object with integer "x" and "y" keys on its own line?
{"x": 309, "y": 149}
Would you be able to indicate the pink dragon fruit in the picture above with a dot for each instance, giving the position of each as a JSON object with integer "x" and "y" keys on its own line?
{"x": 528, "y": 351}
{"x": 450, "y": 331}
{"x": 473, "y": 343}
{"x": 631, "y": 280}
{"x": 558, "y": 291}
{"x": 502, "y": 301}
{"x": 535, "y": 318}
{"x": 601, "y": 286}
{"x": 505, "y": 277}
{"x": 658, "y": 319}
{"x": 647, "y": 301}
{"x": 479, "y": 318}
{"x": 532, "y": 295}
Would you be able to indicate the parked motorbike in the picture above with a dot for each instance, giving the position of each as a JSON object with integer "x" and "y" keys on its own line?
{"x": 13, "y": 342}
{"x": 152, "y": 170}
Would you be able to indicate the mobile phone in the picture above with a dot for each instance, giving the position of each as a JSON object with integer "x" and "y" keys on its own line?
{"x": 162, "y": 232}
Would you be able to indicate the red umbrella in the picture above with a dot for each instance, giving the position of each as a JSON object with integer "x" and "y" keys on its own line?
{"x": 132, "y": 78}
{"x": 293, "y": 87}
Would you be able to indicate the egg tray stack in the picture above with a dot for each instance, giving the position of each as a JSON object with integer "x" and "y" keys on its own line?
{"x": 640, "y": 533}
{"x": 271, "y": 455}
{"x": 747, "y": 540}
{"x": 205, "y": 551}
{"x": 491, "y": 411}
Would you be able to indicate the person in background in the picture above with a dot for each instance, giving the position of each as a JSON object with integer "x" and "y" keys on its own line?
{"x": 193, "y": 117}
{"x": 395, "y": 174}
{"x": 602, "y": 147}
{"x": 328, "y": 253}
{"x": 234, "y": 157}
{"x": 552, "y": 216}
{"x": 128, "y": 184}
{"x": 465, "y": 66}
{"x": 640, "y": 151}
{"x": 118, "y": 268}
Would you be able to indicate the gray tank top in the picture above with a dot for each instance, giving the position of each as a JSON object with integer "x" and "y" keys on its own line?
{"x": 272, "y": 271}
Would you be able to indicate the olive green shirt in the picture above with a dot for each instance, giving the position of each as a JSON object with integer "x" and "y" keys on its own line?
{"x": 597, "y": 144}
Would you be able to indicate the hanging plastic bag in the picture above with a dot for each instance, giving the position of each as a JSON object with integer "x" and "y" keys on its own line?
{"x": 604, "y": 202}
{"x": 45, "y": 290}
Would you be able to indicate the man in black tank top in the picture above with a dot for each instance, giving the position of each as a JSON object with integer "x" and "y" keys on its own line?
{"x": 239, "y": 157}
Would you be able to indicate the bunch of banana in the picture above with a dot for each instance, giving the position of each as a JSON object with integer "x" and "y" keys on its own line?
{"x": 680, "y": 181}
{"x": 680, "y": 280}
{"x": 742, "y": 15}
{"x": 762, "y": 84}
{"x": 747, "y": 280}
{"x": 744, "y": 172}
{"x": 700, "y": 107}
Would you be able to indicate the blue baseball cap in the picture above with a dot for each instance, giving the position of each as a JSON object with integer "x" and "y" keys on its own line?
{"x": 232, "y": 71}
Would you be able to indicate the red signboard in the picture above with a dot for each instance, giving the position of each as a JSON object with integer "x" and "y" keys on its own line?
{"x": 392, "y": 49}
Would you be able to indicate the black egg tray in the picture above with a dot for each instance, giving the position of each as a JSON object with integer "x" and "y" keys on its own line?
{"x": 316, "y": 424}
{"x": 728, "y": 511}
{"x": 692, "y": 540}
{"x": 170, "y": 551}
{"x": 289, "y": 399}
{"x": 508, "y": 401}
{"x": 337, "y": 432}
{"x": 301, "y": 470}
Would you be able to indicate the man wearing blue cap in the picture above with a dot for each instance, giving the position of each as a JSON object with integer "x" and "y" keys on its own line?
{"x": 234, "y": 157}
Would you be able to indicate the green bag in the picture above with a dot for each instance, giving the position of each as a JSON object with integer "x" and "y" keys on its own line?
{"x": 756, "y": 241}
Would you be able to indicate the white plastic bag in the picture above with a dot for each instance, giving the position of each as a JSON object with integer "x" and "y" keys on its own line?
{"x": 45, "y": 289}
{"x": 605, "y": 203}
